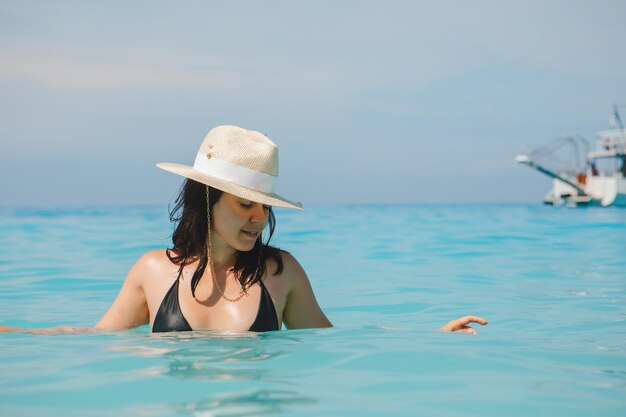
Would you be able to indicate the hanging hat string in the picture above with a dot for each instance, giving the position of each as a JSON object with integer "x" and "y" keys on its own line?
{"x": 210, "y": 256}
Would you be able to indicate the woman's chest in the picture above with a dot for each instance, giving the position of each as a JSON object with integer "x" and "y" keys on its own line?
{"x": 261, "y": 306}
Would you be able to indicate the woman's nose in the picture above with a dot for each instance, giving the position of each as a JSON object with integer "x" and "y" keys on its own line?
{"x": 259, "y": 214}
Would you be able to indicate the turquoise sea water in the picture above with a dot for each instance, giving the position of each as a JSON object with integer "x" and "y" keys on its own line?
{"x": 552, "y": 283}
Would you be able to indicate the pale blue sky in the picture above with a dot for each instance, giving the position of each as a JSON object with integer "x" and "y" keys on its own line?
{"x": 370, "y": 102}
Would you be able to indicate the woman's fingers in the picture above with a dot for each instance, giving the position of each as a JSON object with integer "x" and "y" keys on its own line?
{"x": 471, "y": 319}
{"x": 467, "y": 329}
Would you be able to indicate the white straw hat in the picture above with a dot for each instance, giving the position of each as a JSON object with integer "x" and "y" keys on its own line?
{"x": 237, "y": 161}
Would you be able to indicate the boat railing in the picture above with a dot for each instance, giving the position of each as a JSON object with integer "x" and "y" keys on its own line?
{"x": 612, "y": 140}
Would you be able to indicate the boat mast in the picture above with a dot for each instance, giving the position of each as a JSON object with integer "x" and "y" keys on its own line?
{"x": 617, "y": 120}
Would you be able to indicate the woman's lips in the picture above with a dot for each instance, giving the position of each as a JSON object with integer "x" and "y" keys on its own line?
{"x": 251, "y": 234}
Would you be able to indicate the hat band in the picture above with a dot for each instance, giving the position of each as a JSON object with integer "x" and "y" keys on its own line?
{"x": 234, "y": 173}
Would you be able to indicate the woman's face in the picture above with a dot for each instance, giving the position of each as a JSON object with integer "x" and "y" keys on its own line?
{"x": 238, "y": 222}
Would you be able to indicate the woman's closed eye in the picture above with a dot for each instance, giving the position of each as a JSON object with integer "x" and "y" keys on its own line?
{"x": 250, "y": 204}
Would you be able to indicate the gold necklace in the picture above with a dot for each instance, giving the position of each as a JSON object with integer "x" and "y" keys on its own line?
{"x": 211, "y": 267}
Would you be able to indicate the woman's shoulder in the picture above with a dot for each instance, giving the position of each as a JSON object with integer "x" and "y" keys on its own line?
{"x": 154, "y": 259}
{"x": 151, "y": 263}
{"x": 289, "y": 261}
{"x": 282, "y": 281}
{"x": 292, "y": 270}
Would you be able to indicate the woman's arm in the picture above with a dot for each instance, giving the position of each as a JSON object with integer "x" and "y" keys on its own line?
{"x": 301, "y": 309}
{"x": 130, "y": 308}
{"x": 50, "y": 330}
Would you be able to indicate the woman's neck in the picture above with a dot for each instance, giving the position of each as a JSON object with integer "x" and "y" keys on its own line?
{"x": 222, "y": 254}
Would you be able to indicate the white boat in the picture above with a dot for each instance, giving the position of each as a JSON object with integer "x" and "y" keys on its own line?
{"x": 598, "y": 180}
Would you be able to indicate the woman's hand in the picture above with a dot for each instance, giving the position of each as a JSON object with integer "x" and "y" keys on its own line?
{"x": 9, "y": 329}
{"x": 461, "y": 325}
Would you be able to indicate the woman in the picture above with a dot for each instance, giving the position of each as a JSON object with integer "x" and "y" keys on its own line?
{"x": 220, "y": 274}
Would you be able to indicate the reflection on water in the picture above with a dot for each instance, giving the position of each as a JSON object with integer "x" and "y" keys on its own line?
{"x": 200, "y": 369}
{"x": 219, "y": 356}
{"x": 205, "y": 355}
{"x": 245, "y": 403}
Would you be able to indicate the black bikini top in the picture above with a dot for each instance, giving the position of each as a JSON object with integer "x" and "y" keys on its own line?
{"x": 170, "y": 318}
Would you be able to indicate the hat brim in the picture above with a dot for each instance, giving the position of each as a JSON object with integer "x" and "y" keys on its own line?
{"x": 269, "y": 199}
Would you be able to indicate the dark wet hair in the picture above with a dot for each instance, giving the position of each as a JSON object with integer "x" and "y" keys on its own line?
{"x": 190, "y": 238}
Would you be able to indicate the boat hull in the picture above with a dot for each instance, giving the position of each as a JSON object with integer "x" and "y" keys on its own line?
{"x": 601, "y": 191}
